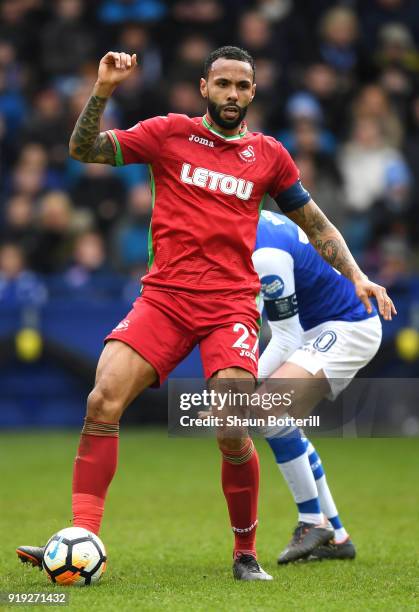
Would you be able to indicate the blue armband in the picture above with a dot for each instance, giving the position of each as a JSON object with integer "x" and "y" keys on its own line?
{"x": 292, "y": 198}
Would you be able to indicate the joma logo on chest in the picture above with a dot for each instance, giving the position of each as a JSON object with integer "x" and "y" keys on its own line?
{"x": 216, "y": 181}
{"x": 203, "y": 141}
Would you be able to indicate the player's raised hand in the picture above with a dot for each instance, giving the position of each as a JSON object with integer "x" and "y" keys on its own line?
{"x": 115, "y": 67}
{"x": 365, "y": 289}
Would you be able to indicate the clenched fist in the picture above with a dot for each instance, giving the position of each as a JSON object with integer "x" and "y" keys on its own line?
{"x": 114, "y": 67}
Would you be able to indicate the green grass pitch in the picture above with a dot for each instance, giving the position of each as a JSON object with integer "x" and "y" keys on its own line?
{"x": 167, "y": 533}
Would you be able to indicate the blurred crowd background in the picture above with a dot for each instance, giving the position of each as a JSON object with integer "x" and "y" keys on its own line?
{"x": 337, "y": 83}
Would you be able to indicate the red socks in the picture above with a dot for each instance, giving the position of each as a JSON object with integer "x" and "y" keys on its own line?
{"x": 240, "y": 480}
{"x": 94, "y": 468}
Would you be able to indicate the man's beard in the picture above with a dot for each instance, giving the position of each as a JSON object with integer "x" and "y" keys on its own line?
{"x": 214, "y": 111}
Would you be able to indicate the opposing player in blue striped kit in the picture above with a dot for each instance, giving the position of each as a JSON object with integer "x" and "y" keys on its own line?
{"x": 320, "y": 330}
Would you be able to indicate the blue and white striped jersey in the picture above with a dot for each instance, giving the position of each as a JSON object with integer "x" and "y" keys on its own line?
{"x": 295, "y": 279}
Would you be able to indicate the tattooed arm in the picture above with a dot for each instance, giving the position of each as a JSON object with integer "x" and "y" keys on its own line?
{"x": 330, "y": 244}
{"x": 87, "y": 142}
{"x": 326, "y": 239}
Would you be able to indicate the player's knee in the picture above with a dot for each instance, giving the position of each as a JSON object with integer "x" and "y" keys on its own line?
{"x": 103, "y": 406}
{"x": 230, "y": 444}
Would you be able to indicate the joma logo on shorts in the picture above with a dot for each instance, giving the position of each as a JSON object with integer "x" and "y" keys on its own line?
{"x": 216, "y": 181}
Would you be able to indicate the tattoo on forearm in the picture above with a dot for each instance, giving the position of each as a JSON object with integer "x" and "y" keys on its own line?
{"x": 87, "y": 143}
{"x": 329, "y": 250}
{"x": 326, "y": 239}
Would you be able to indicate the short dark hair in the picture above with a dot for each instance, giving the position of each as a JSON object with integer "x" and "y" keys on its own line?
{"x": 234, "y": 53}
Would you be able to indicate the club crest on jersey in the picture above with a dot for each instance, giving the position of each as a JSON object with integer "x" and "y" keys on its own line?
{"x": 216, "y": 181}
{"x": 202, "y": 141}
{"x": 122, "y": 326}
{"x": 248, "y": 154}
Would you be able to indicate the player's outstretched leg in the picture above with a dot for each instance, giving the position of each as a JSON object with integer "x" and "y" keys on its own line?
{"x": 341, "y": 547}
{"x": 312, "y": 530}
{"x": 122, "y": 374}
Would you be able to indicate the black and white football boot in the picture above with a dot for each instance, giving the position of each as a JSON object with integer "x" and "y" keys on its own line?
{"x": 246, "y": 567}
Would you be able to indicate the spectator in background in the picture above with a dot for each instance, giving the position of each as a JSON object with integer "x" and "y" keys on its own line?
{"x": 88, "y": 276}
{"x": 256, "y": 35}
{"x": 36, "y": 155}
{"x": 304, "y": 114}
{"x": 268, "y": 75}
{"x": 275, "y": 10}
{"x": 189, "y": 59}
{"x": 136, "y": 96}
{"x": 256, "y": 118}
{"x": 12, "y": 106}
{"x": 390, "y": 213}
{"x": 275, "y": 30}
{"x": 364, "y": 161}
{"x": 18, "y": 285}
{"x": 393, "y": 263}
{"x": 398, "y": 68}
{"x": 14, "y": 76}
{"x": 47, "y": 125}
{"x": 31, "y": 174}
{"x": 18, "y": 222}
{"x": 102, "y": 192}
{"x": 54, "y": 234}
{"x": 198, "y": 11}
{"x": 377, "y": 13}
{"x": 373, "y": 103}
{"x": 210, "y": 19}
{"x": 321, "y": 80}
{"x": 313, "y": 148}
{"x": 184, "y": 97}
{"x": 293, "y": 31}
{"x": 66, "y": 41}
{"x": 27, "y": 180}
{"x": 324, "y": 184}
{"x": 397, "y": 49}
{"x": 130, "y": 238}
{"x": 16, "y": 28}
{"x": 339, "y": 41}
{"x": 135, "y": 38}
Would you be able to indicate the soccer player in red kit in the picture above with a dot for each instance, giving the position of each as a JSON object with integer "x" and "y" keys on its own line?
{"x": 209, "y": 177}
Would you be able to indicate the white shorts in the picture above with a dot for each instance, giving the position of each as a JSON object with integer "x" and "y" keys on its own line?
{"x": 340, "y": 349}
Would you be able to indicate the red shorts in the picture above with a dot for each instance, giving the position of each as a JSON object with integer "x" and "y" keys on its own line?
{"x": 163, "y": 327}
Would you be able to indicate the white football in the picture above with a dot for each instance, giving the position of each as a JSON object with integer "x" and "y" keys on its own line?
{"x": 74, "y": 556}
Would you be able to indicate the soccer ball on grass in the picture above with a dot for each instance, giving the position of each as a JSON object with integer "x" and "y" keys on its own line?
{"x": 74, "y": 556}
